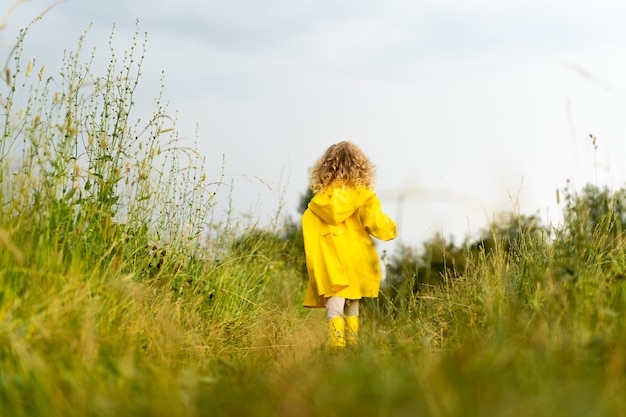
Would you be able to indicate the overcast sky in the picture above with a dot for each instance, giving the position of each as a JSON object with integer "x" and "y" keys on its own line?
{"x": 468, "y": 108}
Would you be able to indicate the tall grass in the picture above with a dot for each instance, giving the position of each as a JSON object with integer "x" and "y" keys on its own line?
{"x": 116, "y": 300}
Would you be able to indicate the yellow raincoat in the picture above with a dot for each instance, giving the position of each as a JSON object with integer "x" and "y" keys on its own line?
{"x": 340, "y": 255}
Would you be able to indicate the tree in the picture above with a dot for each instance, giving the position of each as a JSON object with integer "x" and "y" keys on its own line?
{"x": 592, "y": 231}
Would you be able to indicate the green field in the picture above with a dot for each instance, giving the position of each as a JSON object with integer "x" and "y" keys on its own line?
{"x": 119, "y": 298}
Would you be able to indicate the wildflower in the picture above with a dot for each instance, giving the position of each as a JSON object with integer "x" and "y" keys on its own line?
{"x": 29, "y": 68}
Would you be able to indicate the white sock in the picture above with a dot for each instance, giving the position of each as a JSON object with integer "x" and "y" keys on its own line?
{"x": 351, "y": 308}
{"x": 334, "y": 307}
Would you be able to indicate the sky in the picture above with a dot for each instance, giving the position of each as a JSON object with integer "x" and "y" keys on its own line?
{"x": 468, "y": 109}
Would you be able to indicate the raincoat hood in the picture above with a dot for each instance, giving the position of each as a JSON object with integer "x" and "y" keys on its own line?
{"x": 335, "y": 205}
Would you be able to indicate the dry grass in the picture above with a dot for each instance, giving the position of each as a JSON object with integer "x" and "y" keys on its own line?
{"x": 94, "y": 321}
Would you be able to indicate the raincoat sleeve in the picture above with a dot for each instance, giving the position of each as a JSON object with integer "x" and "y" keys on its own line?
{"x": 375, "y": 222}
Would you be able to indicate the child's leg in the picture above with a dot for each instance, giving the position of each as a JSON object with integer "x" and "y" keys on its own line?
{"x": 351, "y": 311}
{"x": 334, "y": 307}
{"x": 336, "y": 323}
{"x": 351, "y": 308}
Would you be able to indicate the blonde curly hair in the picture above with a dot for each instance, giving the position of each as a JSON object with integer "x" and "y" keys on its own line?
{"x": 343, "y": 163}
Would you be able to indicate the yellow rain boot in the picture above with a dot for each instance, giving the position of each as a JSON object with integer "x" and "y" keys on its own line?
{"x": 336, "y": 327}
{"x": 352, "y": 330}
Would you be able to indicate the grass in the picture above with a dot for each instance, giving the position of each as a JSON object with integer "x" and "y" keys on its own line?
{"x": 115, "y": 300}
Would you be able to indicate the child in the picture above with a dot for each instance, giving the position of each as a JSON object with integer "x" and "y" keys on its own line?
{"x": 341, "y": 259}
